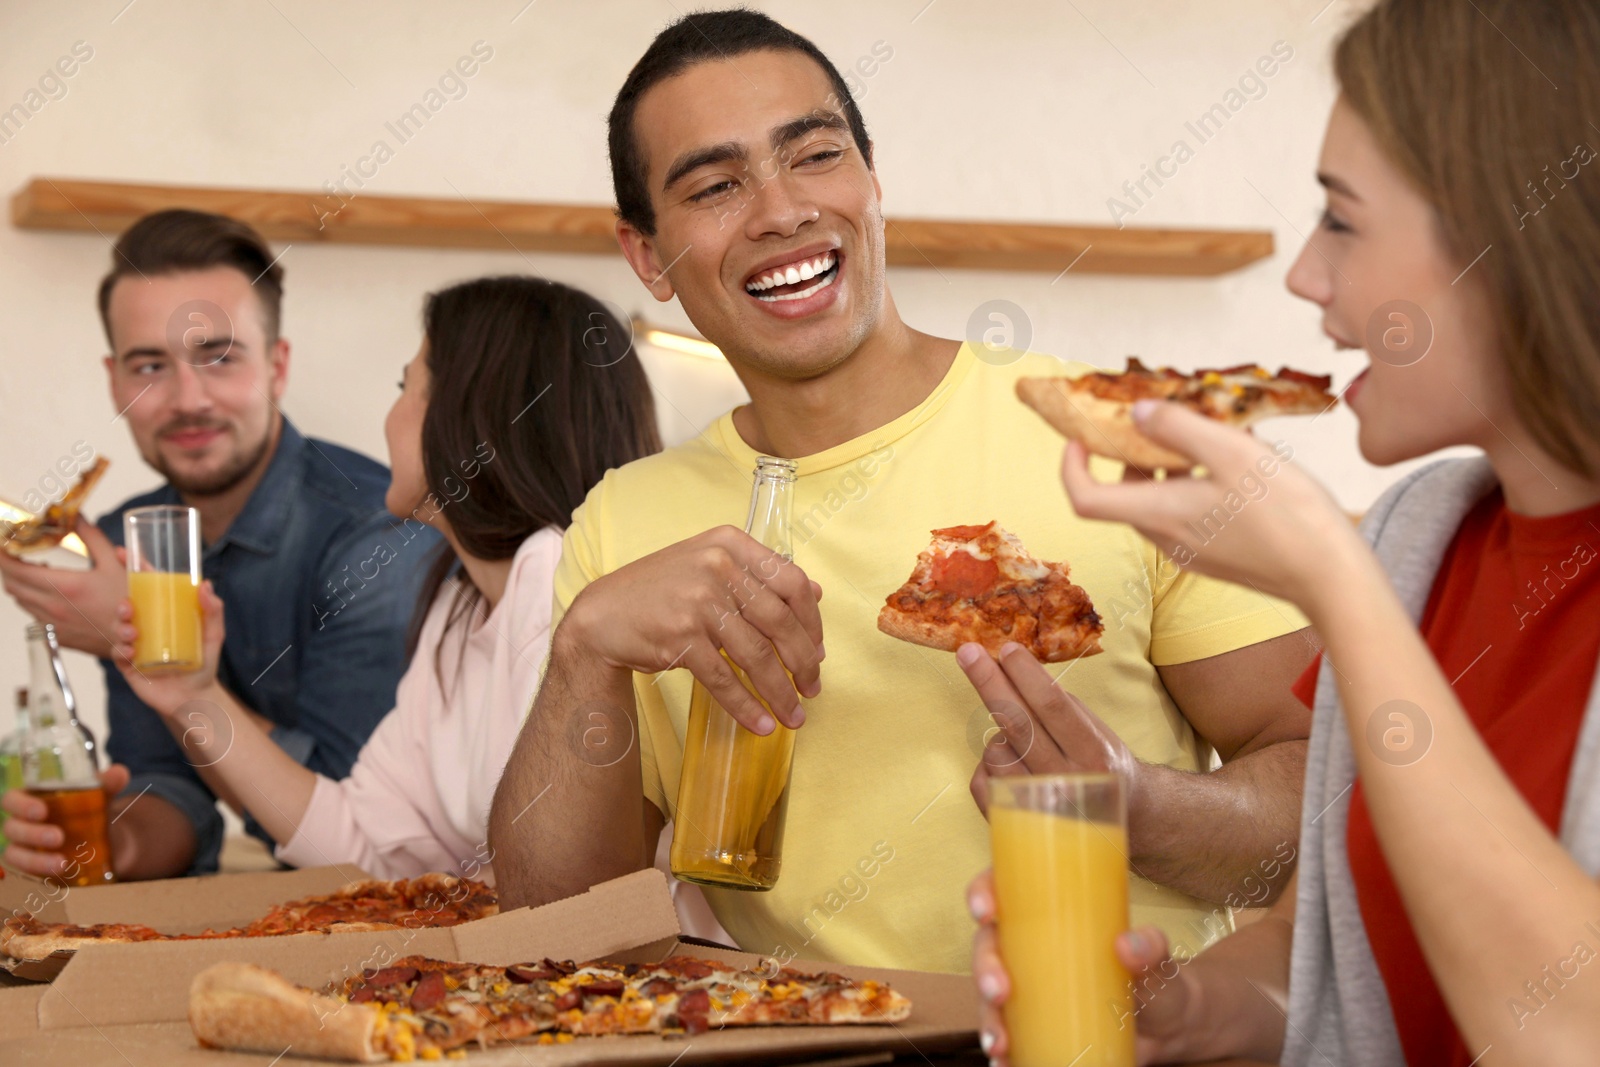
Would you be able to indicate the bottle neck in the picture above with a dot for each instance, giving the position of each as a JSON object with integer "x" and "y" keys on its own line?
{"x": 771, "y": 504}
{"x": 50, "y": 694}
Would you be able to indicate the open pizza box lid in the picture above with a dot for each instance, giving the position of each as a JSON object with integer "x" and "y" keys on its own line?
{"x": 127, "y": 1005}
{"x": 172, "y": 905}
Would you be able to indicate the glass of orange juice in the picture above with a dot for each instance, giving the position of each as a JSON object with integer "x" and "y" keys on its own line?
{"x": 163, "y": 543}
{"x": 1060, "y": 847}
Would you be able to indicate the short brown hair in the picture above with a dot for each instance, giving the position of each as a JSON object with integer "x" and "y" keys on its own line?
{"x": 697, "y": 38}
{"x": 1493, "y": 133}
{"x": 180, "y": 240}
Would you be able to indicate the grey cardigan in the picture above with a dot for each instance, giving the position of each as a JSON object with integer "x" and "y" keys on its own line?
{"x": 1338, "y": 1008}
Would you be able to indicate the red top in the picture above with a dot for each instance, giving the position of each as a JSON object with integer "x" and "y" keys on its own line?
{"x": 1512, "y": 622}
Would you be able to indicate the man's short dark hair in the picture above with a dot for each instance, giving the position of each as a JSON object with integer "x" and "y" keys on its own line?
{"x": 695, "y": 38}
{"x": 168, "y": 242}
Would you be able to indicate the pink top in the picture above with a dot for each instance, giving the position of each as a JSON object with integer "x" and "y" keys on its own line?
{"x": 418, "y": 796}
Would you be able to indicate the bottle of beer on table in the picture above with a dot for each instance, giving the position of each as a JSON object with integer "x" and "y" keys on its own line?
{"x": 734, "y": 793}
{"x": 59, "y": 763}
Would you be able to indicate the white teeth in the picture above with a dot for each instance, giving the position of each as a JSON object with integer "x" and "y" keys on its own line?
{"x": 793, "y": 275}
{"x": 802, "y": 294}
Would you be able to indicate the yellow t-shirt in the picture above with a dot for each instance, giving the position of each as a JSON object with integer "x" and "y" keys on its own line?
{"x": 883, "y": 835}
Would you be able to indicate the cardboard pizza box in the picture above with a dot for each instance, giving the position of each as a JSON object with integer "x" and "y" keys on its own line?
{"x": 171, "y": 905}
{"x": 127, "y": 1005}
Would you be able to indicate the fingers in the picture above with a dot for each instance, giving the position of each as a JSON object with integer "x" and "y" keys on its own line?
{"x": 114, "y": 779}
{"x": 1113, "y": 502}
{"x": 214, "y": 627}
{"x": 707, "y": 664}
{"x": 753, "y": 653}
{"x": 20, "y": 805}
{"x": 1064, "y": 717}
{"x": 780, "y": 629}
{"x": 31, "y": 861}
{"x": 102, "y": 553}
{"x": 994, "y": 986}
{"x": 980, "y": 896}
{"x": 1013, "y": 749}
{"x": 1142, "y": 949}
{"x": 1185, "y": 430}
{"x": 979, "y": 788}
{"x": 34, "y": 834}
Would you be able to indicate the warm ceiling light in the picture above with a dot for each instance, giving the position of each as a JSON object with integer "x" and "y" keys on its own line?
{"x": 677, "y": 342}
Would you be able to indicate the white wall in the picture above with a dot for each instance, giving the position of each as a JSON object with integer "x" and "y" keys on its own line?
{"x": 1017, "y": 109}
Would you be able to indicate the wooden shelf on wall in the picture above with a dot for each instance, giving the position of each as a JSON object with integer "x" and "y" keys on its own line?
{"x": 443, "y": 222}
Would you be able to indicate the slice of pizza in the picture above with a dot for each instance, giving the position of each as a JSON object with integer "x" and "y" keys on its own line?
{"x": 1097, "y": 408}
{"x": 419, "y": 1008}
{"x": 977, "y": 583}
{"x": 414, "y": 1009}
{"x": 56, "y": 522}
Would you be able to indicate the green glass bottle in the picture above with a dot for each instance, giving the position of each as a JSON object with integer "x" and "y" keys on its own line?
{"x": 11, "y": 754}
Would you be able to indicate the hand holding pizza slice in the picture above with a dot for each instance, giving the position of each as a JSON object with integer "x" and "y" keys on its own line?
{"x": 1097, "y": 408}
{"x": 977, "y": 583}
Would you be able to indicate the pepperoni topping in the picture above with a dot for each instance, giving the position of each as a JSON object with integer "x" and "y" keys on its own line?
{"x": 569, "y": 1000}
{"x": 658, "y": 987}
{"x": 388, "y": 976}
{"x": 362, "y": 995}
{"x": 692, "y": 1008}
{"x": 963, "y": 574}
{"x": 523, "y": 975}
{"x": 430, "y": 992}
{"x": 689, "y": 967}
{"x": 1319, "y": 381}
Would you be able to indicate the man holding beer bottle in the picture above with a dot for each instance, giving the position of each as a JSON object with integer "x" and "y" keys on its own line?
{"x": 745, "y": 188}
{"x": 291, "y": 528}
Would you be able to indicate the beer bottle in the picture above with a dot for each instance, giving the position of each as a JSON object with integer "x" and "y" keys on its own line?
{"x": 59, "y": 765}
{"x": 11, "y": 754}
{"x": 734, "y": 792}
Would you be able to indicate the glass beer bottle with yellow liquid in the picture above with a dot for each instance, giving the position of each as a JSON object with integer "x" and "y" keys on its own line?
{"x": 59, "y": 764}
{"x": 734, "y": 794}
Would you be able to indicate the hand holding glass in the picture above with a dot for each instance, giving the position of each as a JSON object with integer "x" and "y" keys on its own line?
{"x": 1061, "y": 896}
{"x": 163, "y": 544}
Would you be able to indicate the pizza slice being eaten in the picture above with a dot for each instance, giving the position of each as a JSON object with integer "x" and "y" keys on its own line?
{"x": 977, "y": 583}
{"x": 1096, "y": 409}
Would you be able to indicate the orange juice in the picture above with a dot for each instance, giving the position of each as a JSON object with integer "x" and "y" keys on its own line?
{"x": 732, "y": 799}
{"x": 1061, "y": 888}
{"x": 166, "y": 612}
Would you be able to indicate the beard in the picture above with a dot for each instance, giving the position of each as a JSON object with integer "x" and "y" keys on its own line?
{"x": 236, "y": 469}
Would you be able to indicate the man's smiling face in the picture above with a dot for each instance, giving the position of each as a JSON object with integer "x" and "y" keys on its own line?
{"x": 768, "y": 223}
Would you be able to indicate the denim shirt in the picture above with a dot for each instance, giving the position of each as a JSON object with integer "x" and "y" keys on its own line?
{"x": 319, "y": 584}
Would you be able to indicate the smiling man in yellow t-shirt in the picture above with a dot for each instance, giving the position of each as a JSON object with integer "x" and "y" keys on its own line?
{"x": 745, "y": 189}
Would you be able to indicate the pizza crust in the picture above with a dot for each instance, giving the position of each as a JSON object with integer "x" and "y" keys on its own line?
{"x": 33, "y": 947}
{"x": 1104, "y": 427}
{"x": 240, "y": 1006}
